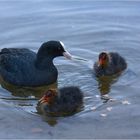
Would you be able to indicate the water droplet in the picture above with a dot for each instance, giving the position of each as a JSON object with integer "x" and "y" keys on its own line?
{"x": 103, "y": 115}
{"x": 125, "y": 102}
{"x": 109, "y": 108}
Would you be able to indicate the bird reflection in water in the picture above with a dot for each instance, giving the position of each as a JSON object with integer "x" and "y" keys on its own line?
{"x": 105, "y": 83}
{"x": 26, "y": 92}
{"x": 20, "y": 91}
{"x": 53, "y": 120}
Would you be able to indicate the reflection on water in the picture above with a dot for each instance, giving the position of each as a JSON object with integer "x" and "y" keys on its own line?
{"x": 24, "y": 97}
{"x": 105, "y": 83}
{"x": 52, "y": 118}
{"x": 20, "y": 91}
{"x": 77, "y": 73}
{"x": 52, "y": 121}
{"x": 86, "y": 28}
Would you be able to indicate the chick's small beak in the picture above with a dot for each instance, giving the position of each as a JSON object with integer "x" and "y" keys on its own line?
{"x": 101, "y": 62}
{"x": 67, "y": 55}
{"x": 43, "y": 100}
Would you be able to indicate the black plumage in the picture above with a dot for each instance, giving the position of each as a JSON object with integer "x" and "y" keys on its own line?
{"x": 65, "y": 101}
{"x": 111, "y": 63}
{"x": 23, "y": 67}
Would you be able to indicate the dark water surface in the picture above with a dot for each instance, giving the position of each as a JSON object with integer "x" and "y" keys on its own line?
{"x": 86, "y": 27}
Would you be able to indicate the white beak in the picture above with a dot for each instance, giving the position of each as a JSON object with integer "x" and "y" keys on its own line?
{"x": 67, "y": 55}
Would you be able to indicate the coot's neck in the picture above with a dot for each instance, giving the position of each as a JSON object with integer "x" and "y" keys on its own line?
{"x": 44, "y": 63}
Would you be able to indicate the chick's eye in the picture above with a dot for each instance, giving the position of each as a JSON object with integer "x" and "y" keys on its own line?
{"x": 104, "y": 57}
{"x": 48, "y": 94}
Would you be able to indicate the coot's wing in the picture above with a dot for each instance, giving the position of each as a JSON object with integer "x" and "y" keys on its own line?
{"x": 14, "y": 63}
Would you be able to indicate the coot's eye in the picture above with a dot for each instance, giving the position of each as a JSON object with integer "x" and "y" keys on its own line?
{"x": 59, "y": 48}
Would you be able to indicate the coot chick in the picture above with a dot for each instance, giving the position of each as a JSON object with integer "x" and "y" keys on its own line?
{"x": 109, "y": 64}
{"x": 65, "y": 101}
{"x": 23, "y": 67}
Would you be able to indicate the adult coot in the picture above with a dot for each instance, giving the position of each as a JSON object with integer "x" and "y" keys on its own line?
{"x": 65, "y": 101}
{"x": 109, "y": 64}
{"x": 23, "y": 67}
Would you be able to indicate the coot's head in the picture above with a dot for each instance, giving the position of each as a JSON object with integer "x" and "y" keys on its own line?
{"x": 48, "y": 97}
{"x": 52, "y": 49}
{"x": 103, "y": 59}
